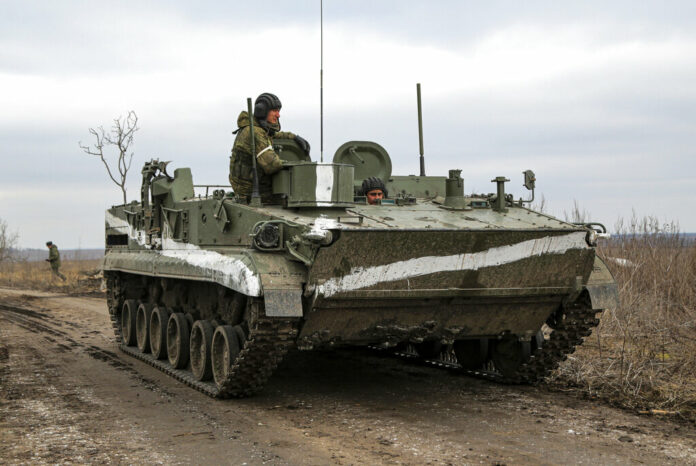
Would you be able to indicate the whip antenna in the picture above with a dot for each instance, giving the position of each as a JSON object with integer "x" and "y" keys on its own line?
{"x": 321, "y": 79}
{"x": 420, "y": 130}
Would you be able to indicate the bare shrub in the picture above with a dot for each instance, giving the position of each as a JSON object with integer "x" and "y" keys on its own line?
{"x": 540, "y": 205}
{"x": 577, "y": 214}
{"x": 8, "y": 242}
{"x": 643, "y": 353}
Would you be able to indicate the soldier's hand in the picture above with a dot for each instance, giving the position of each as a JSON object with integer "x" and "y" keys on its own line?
{"x": 302, "y": 142}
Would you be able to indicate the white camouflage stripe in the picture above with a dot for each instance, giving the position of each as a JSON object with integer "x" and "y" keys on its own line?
{"x": 363, "y": 277}
{"x": 226, "y": 270}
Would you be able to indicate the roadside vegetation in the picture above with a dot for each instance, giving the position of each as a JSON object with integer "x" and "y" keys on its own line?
{"x": 16, "y": 271}
{"x": 82, "y": 276}
{"x": 643, "y": 353}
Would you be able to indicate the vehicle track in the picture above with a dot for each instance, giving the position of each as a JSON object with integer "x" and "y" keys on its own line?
{"x": 268, "y": 340}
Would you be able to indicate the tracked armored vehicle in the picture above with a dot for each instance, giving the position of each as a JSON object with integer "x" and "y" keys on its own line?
{"x": 214, "y": 290}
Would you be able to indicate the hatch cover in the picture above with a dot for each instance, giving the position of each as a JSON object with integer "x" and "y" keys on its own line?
{"x": 289, "y": 150}
{"x": 368, "y": 158}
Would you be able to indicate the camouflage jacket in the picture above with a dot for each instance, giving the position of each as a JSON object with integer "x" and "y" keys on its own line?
{"x": 54, "y": 256}
{"x": 267, "y": 161}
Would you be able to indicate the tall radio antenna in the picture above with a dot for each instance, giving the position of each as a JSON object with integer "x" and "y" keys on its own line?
{"x": 321, "y": 80}
{"x": 420, "y": 130}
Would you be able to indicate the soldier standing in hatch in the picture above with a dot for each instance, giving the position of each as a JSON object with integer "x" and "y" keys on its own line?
{"x": 374, "y": 190}
{"x": 54, "y": 259}
{"x": 266, "y": 127}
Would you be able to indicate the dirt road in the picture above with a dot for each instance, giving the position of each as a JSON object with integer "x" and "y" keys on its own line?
{"x": 67, "y": 394}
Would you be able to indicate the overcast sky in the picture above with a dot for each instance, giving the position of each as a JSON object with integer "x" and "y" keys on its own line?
{"x": 598, "y": 98}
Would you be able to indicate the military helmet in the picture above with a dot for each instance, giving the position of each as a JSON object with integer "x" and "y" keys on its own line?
{"x": 264, "y": 103}
{"x": 372, "y": 183}
{"x": 49, "y": 243}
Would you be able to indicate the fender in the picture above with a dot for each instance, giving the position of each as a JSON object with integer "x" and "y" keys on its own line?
{"x": 282, "y": 282}
{"x": 233, "y": 270}
{"x": 601, "y": 286}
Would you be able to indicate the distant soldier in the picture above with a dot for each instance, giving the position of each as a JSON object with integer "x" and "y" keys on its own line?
{"x": 54, "y": 259}
{"x": 266, "y": 127}
{"x": 374, "y": 190}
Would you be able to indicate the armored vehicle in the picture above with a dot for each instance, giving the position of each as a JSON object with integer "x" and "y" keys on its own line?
{"x": 214, "y": 289}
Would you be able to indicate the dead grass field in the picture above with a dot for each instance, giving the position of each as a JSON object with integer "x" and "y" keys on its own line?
{"x": 82, "y": 276}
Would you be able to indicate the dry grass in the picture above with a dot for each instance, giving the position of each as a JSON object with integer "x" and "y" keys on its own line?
{"x": 38, "y": 276}
{"x": 643, "y": 353}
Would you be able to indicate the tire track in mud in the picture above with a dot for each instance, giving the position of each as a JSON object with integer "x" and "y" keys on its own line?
{"x": 37, "y": 322}
{"x": 4, "y": 360}
{"x": 46, "y": 418}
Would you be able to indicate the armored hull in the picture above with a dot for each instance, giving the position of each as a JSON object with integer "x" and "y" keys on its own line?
{"x": 214, "y": 290}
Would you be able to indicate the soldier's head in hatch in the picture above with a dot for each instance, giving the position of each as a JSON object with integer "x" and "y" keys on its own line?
{"x": 374, "y": 190}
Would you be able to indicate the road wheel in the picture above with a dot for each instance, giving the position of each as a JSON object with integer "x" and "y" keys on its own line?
{"x": 471, "y": 354}
{"x": 201, "y": 341}
{"x": 158, "y": 332}
{"x": 509, "y": 354}
{"x": 128, "y": 318}
{"x": 224, "y": 352}
{"x": 142, "y": 327}
{"x": 429, "y": 349}
{"x": 178, "y": 340}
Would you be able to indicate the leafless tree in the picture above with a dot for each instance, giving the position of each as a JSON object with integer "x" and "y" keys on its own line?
{"x": 8, "y": 241}
{"x": 121, "y": 138}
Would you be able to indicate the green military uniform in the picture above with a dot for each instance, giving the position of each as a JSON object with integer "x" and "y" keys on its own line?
{"x": 267, "y": 161}
{"x": 54, "y": 260}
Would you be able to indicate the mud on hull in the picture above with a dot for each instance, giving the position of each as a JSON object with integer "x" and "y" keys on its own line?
{"x": 344, "y": 322}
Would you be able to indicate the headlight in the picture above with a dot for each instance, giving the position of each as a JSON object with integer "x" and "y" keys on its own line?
{"x": 267, "y": 236}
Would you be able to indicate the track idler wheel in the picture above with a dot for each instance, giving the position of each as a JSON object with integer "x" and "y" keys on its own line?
{"x": 158, "y": 332}
{"x": 471, "y": 354}
{"x": 128, "y": 318}
{"x": 142, "y": 327}
{"x": 224, "y": 351}
{"x": 200, "y": 344}
{"x": 510, "y": 353}
{"x": 178, "y": 340}
{"x": 241, "y": 335}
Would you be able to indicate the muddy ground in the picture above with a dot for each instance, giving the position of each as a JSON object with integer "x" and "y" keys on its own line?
{"x": 68, "y": 395}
